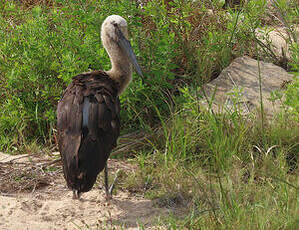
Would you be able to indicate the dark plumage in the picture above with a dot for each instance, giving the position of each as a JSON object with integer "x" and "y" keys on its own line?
{"x": 88, "y": 113}
{"x": 85, "y": 148}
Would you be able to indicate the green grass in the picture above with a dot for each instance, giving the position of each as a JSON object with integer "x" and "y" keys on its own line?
{"x": 229, "y": 176}
{"x": 179, "y": 44}
{"x": 221, "y": 171}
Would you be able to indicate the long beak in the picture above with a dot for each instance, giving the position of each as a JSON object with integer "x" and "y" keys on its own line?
{"x": 127, "y": 48}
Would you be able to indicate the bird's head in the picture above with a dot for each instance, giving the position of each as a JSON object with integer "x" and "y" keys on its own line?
{"x": 110, "y": 26}
{"x": 115, "y": 31}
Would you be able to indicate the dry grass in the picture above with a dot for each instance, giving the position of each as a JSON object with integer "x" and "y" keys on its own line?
{"x": 28, "y": 174}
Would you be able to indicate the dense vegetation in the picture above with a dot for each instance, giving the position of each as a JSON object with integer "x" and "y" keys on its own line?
{"x": 229, "y": 171}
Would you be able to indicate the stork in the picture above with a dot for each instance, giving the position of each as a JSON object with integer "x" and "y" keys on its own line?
{"x": 88, "y": 115}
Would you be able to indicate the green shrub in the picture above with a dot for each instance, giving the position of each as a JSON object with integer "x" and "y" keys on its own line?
{"x": 178, "y": 44}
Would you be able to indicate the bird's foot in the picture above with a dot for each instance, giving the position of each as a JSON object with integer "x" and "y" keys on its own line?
{"x": 76, "y": 195}
{"x": 108, "y": 196}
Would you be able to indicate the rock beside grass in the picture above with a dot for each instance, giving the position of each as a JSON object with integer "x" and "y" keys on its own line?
{"x": 237, "y": 88}
{"x": 276, "y": 41}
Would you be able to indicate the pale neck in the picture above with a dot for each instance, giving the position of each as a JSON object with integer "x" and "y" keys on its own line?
{"x": 121, "y": 68}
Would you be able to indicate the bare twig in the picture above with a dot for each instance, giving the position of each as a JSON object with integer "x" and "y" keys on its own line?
{"x": 18, "y": 158}
{"x": 7, "y": 194}
{"x": 131, "y": 141}
{"x": 49, "y": 163}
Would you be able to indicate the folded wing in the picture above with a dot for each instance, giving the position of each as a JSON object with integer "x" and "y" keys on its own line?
{"x": 88, "y": 127}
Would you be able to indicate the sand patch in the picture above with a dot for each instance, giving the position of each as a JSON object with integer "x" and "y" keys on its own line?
{"x": 51, "y": 206}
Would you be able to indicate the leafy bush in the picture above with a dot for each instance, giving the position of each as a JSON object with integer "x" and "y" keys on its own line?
{"x": 179, "y": 43}
{"x": 42, "y": 48}
{"x": 230, "y": 170}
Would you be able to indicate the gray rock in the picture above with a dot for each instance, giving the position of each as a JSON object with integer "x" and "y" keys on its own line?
{"x": 237, "y": 87}
{"x": 276, "y": 40}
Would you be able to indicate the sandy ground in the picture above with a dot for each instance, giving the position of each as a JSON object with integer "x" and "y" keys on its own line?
{"x": 52, "y": 207}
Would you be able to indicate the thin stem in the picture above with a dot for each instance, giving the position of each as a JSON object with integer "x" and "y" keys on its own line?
{"x": 260, "y": 89}
{"x": 234, "y": 30}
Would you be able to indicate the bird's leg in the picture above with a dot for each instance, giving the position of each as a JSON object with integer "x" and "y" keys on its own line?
{"x": 108, "y": 195}
{"x": 76, "y": 194}
{"x": 113, "y": 183}
{"x": 107, "y": 189}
